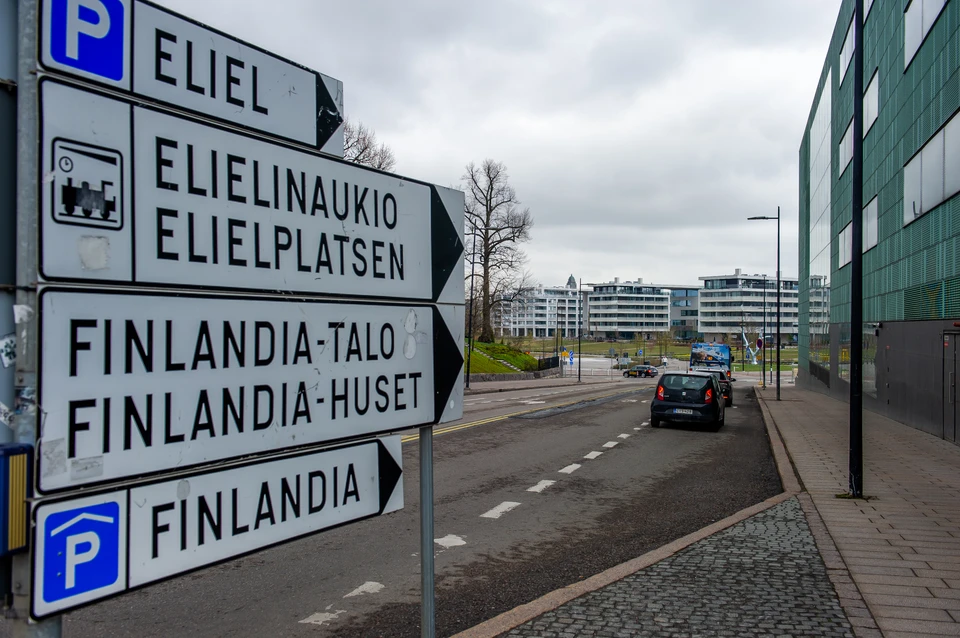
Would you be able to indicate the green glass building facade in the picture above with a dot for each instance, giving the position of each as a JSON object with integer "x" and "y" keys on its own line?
{"x": 910, "y": 209}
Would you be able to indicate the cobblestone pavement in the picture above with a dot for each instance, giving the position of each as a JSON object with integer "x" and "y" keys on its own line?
{"x": 761, "y": 577}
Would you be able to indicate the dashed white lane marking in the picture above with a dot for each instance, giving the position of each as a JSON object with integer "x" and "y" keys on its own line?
{"x": 593, "y": 455}
{"x": 449, "y": 541}
{"x": 322, "y": 617}
{"x": 734, "y": 407}
{"x": 532, "y": 402}
{"x": 644, "y": 401}
{"x": 570, "y": 469}
{"x": 645, "y": 423}
{"x": 628, "y": 401}
{"x": 624, "y": 436}
{"x": 611, "y": 444}
{"x": 500, "y": 509}
{"x": 369, "y": 587}
{"x": 539, "y": 487}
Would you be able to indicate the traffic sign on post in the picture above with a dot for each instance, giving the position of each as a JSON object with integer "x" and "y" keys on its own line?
{"x": 137, "y": 196}
{"x": 94, "y": 547}
{"x": 136, "y": 384}
{"x": 760, "y": 343}
{"x": 153, "y": 53}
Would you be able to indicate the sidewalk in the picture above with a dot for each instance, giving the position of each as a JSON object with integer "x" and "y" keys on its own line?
{"x": 805, "y": 563}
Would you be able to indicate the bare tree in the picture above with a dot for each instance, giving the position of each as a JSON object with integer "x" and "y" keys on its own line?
{"x": 360, "y": 146}
{"x": 498, "y": 225}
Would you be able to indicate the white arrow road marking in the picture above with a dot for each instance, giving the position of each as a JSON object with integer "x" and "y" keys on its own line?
{"x": 500, "y": 510}
{"x": 611, "y": 444}
{"x": 593, "y": 455}
{"x": 624, "y": 436}
{"x": 570, "y": 469}
{"x": 539, "y": 487}
{"x": 449, "y": 541}
{"x": 369, "y": 587}
{"x": 322, "y": 617}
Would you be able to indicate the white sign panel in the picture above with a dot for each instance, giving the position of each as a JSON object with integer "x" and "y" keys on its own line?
{"x": 159, "y": 55}
{"x": 136, "y": 196}
{"x": 94, "y": 547}
{"x": 135, "y": 384}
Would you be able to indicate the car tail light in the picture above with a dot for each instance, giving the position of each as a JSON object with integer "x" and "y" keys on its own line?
{"x": 709, "y": 397}
{"x": 660, "y": 392}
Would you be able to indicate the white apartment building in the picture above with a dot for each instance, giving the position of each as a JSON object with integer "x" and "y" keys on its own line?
{"x": 627, "y": 310}
{"x": 729, "y": 302}
{"x": 542, "y": 312}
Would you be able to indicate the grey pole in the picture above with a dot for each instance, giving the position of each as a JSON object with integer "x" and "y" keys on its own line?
{"x": 778, "y": 303}
{"x": 856, "y": 266}
{"x": 28, "y": 132}
{"x": 763, "y": 339}
{"x": 473, "y": 263}
{"x": 579, "y": 308}
{"x": 427, "y": 612}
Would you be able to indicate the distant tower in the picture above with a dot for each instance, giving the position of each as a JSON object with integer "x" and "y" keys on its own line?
{"x": 572, "y": 283}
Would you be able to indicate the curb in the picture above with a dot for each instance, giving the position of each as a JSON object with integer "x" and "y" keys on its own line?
{"x": 861, "y": 619}
{"x": 524, "y": 613}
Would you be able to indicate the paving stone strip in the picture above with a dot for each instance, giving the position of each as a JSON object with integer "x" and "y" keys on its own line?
{"x": 761, "y": 577}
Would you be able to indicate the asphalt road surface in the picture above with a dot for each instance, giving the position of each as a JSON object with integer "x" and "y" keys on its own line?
{"x": 529, "y": 497}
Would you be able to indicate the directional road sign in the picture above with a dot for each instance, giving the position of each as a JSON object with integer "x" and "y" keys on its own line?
{"x": 93, "y": 547}
{"x": 137, "y": 196}
{"x": 135, "y": 384}
{"x": 153, "y": 53}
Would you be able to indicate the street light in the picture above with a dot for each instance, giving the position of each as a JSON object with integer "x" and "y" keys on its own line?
{"x": 778, "y": 290}
{"x": 473, "y": 264}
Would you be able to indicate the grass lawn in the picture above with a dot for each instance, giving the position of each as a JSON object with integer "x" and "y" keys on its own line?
{"x": 651, "y": 349}
{"x": 521, "y": 360}
{"x": 481, "y": 364}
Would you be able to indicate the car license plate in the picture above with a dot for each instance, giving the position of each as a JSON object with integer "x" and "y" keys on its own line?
{"x": 682, "y": 411}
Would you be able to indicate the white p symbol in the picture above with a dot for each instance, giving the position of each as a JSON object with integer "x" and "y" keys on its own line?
{"x": 74, "y": 558}
{"x": 76, "y": 26}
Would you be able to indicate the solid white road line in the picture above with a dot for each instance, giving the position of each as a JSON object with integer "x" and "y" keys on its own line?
{"x": 539, "y": 487}
{"x": 570, "y": 469}
{"x": 624, "y": 436}
{"x": 369, "y": 587}
{"x": 449, "y": 541}
{"x": 500, "y": 509}
{"x": 611, "y": 444}
{"x": 593, "y": 455}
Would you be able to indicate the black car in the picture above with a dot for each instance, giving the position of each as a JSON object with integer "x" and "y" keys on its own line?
{"x": 641, "y": 371}
{"x": 688, "y": 397}
{"x": 723, "y": 376}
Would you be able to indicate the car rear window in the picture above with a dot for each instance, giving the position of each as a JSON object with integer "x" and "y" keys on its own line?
{"x": 684, "y": 382}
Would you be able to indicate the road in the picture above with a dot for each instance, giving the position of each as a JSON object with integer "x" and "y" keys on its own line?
{"x": 529, "y": 497}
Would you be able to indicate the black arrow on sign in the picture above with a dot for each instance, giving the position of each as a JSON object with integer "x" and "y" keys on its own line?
{"x": 446, "y": 247}
{"x": 329, "y": 117}
{"x": 390, "y": 473}
{"x": 447, "y": 363}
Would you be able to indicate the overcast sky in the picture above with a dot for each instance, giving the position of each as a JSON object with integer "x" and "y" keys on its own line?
{"x": 640, "y": 133}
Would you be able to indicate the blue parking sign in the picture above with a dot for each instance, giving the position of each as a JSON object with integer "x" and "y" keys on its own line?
{"x": 88, "y": 36}
{"x": 81, "y": 552}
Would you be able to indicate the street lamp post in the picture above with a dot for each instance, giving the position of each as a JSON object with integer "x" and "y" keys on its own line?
{"x": 763, "y": 339}
{"x": 778, "y": 291}
{"x": 473, "y": 264}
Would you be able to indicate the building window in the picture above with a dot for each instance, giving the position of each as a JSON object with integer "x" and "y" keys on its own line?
{"x": 870, "y": 225}
{"x": 918, "y": 19}
{"x": 871, "y": 104}
{"x": 846, "y": 148}
{"x": 932, "y": 176}
{"x": 845, "y": 239}
{"x": 846, "y": 52}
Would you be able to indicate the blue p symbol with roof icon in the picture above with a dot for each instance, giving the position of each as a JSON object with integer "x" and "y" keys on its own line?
{"x": 81, "y": 551}
{"x": 88, "y": 35}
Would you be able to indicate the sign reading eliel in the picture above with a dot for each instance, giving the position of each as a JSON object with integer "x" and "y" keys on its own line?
{"x": 139, "y": 47}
